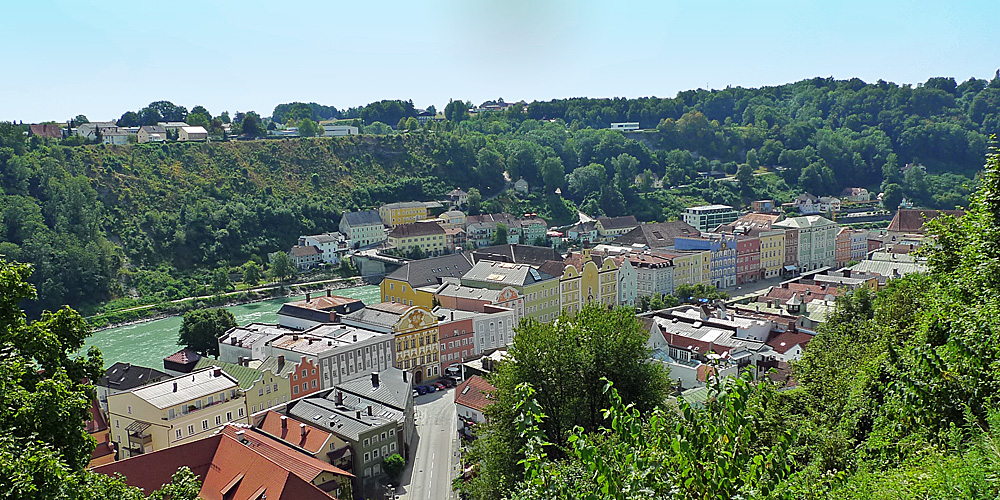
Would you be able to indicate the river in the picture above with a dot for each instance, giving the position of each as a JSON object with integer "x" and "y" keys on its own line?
{"x": 146, "y": 344}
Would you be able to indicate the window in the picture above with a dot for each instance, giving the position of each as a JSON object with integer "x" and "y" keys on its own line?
{"x": 204, "y": 425}
{"x": 229, "y": 416}
{"x": 190, "y": 430}
{"x": 392, "y": 447}
{"x": 368, "y": 457}
{"x": 260, "y": 391}
{"x": 295, "y": 389}
{"x": 276, "y": 385}
{"x": 368, "y": 443}
{"x": 314, "y": 384}
{"x": 305, "y": 386}
{"x": 305, "y": 372}
{"x": 253, "y": 409}
{"x": 130, "y": 410}
{"x": 218, "y": 420}
{"x": 178, "y": 434}
{"x": 170, "y": 414}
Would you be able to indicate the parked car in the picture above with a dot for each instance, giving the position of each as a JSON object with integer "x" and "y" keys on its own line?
{"x": 439, "y": 386}
{"x": 431, "y": 388}
{"x": 448, "y": 382}
{"x": 421, "y": 389}
{"x": 415, "y": 393}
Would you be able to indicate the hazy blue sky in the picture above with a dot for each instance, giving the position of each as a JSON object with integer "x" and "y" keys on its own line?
{"x": 68, "y": 57}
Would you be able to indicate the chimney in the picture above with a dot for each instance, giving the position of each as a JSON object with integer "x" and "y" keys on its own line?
{"x": 127, "y": 366}
{"x": 175, "y": 386}
{"x": 329, "y": 293}
{"x": 281, "y": 361}
{"x": 453, "y": 315}
{"x": 358, "y": 414}
{"x": 369, "y": 410}
{"x": 340, "y": 398}
{"x": 217, "y": 372}
{"x": 232, "y": 340}
{"x": 311, "y": 340}
{"x": 302, "y": 430}
{"x": 284, "y": 422}
{"x": 375, "y": 380}
{"x": 308, "y": 297}
{"x": 404, "y": 375}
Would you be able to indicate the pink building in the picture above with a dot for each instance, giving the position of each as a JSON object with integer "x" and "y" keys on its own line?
{"x": 748, "y": 259}
{"x": 842, "y": 251}
{"x": 455, "y": 331}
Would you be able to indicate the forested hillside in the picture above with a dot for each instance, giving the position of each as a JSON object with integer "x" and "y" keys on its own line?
{"x": 99, "y": 222}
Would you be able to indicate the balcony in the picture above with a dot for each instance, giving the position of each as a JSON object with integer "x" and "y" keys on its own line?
{"x": 138, "y": 434}
{"x": 192, "y": 408}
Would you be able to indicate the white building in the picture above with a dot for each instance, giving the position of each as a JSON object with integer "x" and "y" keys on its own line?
{"x": 708, "y": 217}
{"x": 192, "y": 134}
{"x": 859, "y": 244}
{"x": 332, "y": 246}
{"x": 471, "y": 400}
{"x": 625, "y": 126}
{"x": 493, "y": 328}
{"x": 628, "y": 282}
{"x": 339, "y": 130}
{"x": 363, "y": 228}
{"x": 342, "y": 352}
{"x": 654, "y": 274}
{"x": 248, "y": 342}
{"x": 817, "y": 240}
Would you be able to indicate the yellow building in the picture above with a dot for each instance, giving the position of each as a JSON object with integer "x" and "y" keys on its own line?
{"x": 262, "y": 386}
{"x": 178, "y": 410}
{"x": 415, "y": 331}
{"x": 690, "y": 267}
{"x": 538, "y": 286}
{"x": 395, "y": 214}
{"x": 772, "y": 253}
{"x": 414, "y": 283}
{"x": 429, "y": 237}
{"x": 583, "y": 282}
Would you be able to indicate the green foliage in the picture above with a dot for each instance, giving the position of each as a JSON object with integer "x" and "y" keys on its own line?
{"x": 220, "y": 280}
{"x": 251, "y": 273}
{"x": 201, "y": 329}
{"x": 500, "y": 236}
{"x": 393, "y": 465}
{"x": 281, "y": 267}
{"x": 308, "y": 128}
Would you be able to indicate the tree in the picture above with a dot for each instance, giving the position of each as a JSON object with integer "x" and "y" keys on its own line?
{"x": 281, "y": 267}
{"x": 475, "y": 201}
{"x": 587, "y": 180}
{"x": 752, "y": 159}
{"x": 456, "y": 111}
{"x": 393, "y": 466}
{"x": 500, "y": 236}
{"x": 412, "y": 124}
{"x": 626, "y": 167}
{"x": 251, "y": 273}
{"x": 892, "y": 196}
{"x": 308, "y": 128}
{"x": 553, "y": 175}
{"x": 80, "y": 120}
{"x": 130, "y": 119}
{"x": 201, "y": 329}
{"x": 220, "y": 280}
{"x": 564, "y": 362}
{"x": 744, "y": 174}
{"x": 432, "y": 110}
{"x": 251, "y": 126}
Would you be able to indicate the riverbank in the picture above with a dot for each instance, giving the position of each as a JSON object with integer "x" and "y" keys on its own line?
{"x": 153, "y": 312}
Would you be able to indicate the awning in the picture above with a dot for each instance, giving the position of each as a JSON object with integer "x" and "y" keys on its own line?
{"x": 791, "y": 268}
{"x": 137, "y": 426}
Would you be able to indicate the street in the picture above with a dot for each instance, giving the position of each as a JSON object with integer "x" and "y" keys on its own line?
{"x": 434, "y": 461}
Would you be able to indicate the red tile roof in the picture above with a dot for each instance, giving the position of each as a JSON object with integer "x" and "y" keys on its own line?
{"x": 96, "y": 423}
{"x": 51, "y": 130}
{"x": 473, "y": 393}
{"x": 785, "y": 341}
{"x": 807, "y": 293}
{"x": 184, "y": 356}
{"x": 225, "y": 463}
{"x": 912, "y": 220}
{"x": 314, "y": 439}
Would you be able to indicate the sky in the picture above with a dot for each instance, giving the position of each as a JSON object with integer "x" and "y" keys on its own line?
{"x": 101, "y": 59}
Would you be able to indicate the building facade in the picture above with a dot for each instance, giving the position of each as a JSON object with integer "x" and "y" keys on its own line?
{"x": 817, "y": 240}
{"x": 772, "y": 253}
{"x": 408, "y": 212}
{"x": 429, "y": 237}
{"x": 363, "y": 229}
{"x": 708, "y": 217}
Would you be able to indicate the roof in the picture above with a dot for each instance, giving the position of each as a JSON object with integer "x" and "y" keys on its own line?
{"x": 154, "y": 129}
{"x": 416, "y": 229}
{"x": 195, "y": 130}
{"x": 456, "y": 192}
{"x": 194, "y": 385}
{"x": 518, "y": 254}
{"x": 245, "y": 336}
{"x": 806, "y": 197}
{"x": 505, "y": 273}
{"x": 912, "y": 220}
{"x": 326, "y": 303}
{"x": 468, "y": 292}
{"x": 751, "y": 221}
{"x": 658, "y": 235}
{"x": 429, "y": 271}
{"x": 804, "y": 221}
{"x": 228, "y": 468}
{"x": 313, "y": 439}
{"x": 404, "y": 204}
{"x": 853, "y": 191}
{"x": 325, "y": 237}
{"x": 704, "y": 208}
{"x": 363, "y": 218}
{"x": 183, "y": 357}
{"x": 342, "y": 420}
{"x": 392, "y": 390}
{"x": 244, "y": 375}
{"x": 888, "y": 268}
{"x": 322, "y": 338}
{"x": 288, "y": 458}
{"x": 97, "y": 423}
{"x": 618, "y": 222}
{"x": 474, "y": 393}
{"x": 806, "y": 293}
{"x": 787, "y": 340}
{"x": 280, "y": 367}
{"x": 306, "y": 251}
{"x": 126, "y": 376}
{"x": 51, "y": 130}
{"x": 383, "y": 314}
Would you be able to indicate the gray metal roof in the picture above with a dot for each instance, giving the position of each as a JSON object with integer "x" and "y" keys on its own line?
{"x": 504, "y": 273}
{"x": 343, "y": 420}
{"x": 194, "y": 385}
{"x": 392, "y": 391}
{"x": 428, "y": 271}
{"x": 363, "y": 218}
{"x": 126, "y": 376}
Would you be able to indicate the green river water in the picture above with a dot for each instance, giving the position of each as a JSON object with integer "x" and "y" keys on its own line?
{"x": 146, "y": 344}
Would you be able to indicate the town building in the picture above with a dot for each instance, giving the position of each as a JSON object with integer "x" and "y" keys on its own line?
{"x": 656, "y": 236}
{"x": 457, "y": 197}
{"x": 151, "y": 133}
{"x": 429, "y": 237}
{"x": 174, "y": 411}
{"x": 46, "y": 130}
{"x": 415, "y": 333}
{"x": 722, "y": 263}
{"x": 625, "y": 126}
{"x": 455, "y": 239}
{"x": 181, "y": 362}
{"x": 584, "y": 232}
{"x": 466, "y": 298}
{"x": 305, "y": 257}
{"x": 262, "y": 387}
{"x": 609, "y": 228}
{"x": 330, "y": 130}
{"x": 539, "y": 289}
{"x": 452, "y": 219}
{"x": 690, "y": 267}
{"x": 97, "y": 428}
{"x": 192, "y": 134}
{"x": 114, "y": 136}
{"x": 237, "y": 463}
{"x": 309, "y": 438}
{"x": 772, "y": 253}
{"x": 516, "y": 254}
{"x": 407, "y": 212}
{"x": 842, "y": 247}
{"x": 859, "y": 244}
{"x": 471, "y": 399}
{"x": 316, "y": 310}
{"x": 748, "y": 269}
{"x": 817, "y": 239}
{"x": 457, "y": 341}
{"x": 708, "y": 217}
{"x": 587, "y": 278}
{"x": 654, "y": 273}
{"x": 762, "y": 206}
{"x": 628, "y": 282}
{"x": 332, "y": 246}
{"x": 856, "y": 195}
{"x": 123, "y": 377}
{"x": 363, "y": 229}
{"x": 303, "y": 377}
{"x": 521, "y": 186}
{"x": 415, "y": 282}
{"x": 806, "y": 204}
{"x": 340, "y": 353}
{"x": 828, "y": 204}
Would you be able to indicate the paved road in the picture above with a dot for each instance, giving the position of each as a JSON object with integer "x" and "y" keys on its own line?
{"x": 435, "y": 462}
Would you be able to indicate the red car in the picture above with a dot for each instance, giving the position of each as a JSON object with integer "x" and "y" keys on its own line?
{"x": 439, "y": 386}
